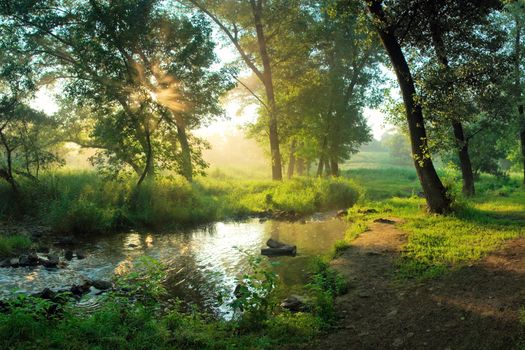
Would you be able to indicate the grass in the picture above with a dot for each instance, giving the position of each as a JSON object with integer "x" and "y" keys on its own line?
{"x": 137, "y": 316}
{"x": 385, "y": 183}
{"x": 438, "y": 243}
{"x": 84, "y": 203}
{"x": 13, "y": 244}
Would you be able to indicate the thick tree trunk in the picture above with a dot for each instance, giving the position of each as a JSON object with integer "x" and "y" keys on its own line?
{"x": 291, "y": 160}
{"x": 268, "y": 86}
{"x": 464, "y": 160}
{"x": 435, "y": 192}
{"x": 519, "y": 96}
{"x": 334, "y": 167}
{"x": 522, "y": 137}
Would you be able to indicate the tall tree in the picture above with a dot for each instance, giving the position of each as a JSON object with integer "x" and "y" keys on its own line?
{"x": 435, "y": 193}
{"x": 457, "y": 38}
{"x": 517, "y": 13}
{"x": 144, "y": 72}
{"x": 252, "y": 26}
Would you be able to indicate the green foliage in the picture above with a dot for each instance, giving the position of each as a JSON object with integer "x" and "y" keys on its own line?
{"x": 13, "y": 244}
{"x": 82, "y": 202}
{"x": 136, "y": 316}
{"x": 255, "y": 293}
{"x": 325, "y": 285}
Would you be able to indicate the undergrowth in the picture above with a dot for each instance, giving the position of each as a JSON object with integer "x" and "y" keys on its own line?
{"x": 83, "y": 202}
{"x": 137, "y": 315}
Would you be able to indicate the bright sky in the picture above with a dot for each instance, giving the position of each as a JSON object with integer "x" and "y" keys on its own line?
{"x": 45, "y": 102}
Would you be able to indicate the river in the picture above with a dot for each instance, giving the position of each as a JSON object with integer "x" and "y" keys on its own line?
{"x": 199, "y": 260}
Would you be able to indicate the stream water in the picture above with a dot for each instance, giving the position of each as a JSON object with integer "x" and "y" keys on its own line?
{"x": 199, "y": 260}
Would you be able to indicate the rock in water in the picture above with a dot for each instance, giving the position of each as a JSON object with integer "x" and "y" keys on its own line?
{"x": 284, "y": 250}
{"x": 80, "y": 289}
{"x": 5, "y": 263}
{"x": 101, "y": 284}
{"x": 15, "y": 262}
{"x": 272, "y": 243}
{"x": 294, "y": 303}
{"x": 277, "y": 248}
{"x": 68, "y": 255}
{"x": 51, "y": 261}
{"x": 80, "y": 255}
{"x": 23, "y": 260}
{"x": 33, "y": 259}
{"x": 46, "y": 293}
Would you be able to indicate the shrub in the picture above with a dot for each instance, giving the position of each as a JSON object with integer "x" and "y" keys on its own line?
{"x": 13, "y": 244}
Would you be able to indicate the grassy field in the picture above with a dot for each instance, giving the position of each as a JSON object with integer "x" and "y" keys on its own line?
{"x": 436, "y": 243}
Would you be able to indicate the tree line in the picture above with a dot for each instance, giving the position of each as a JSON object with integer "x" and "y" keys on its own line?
{"x": 137, "y": 77}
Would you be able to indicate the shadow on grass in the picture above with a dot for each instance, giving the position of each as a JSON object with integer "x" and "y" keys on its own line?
{"x": 474, "y": 307}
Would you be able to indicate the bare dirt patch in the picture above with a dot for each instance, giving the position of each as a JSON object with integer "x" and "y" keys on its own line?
{"x": 472, "y": 307}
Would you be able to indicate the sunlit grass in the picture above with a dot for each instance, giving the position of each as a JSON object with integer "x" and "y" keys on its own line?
{"x": 83, "y": 202}
{"x": 437, "y": 243}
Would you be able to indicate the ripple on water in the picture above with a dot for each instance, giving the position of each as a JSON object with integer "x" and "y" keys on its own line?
{"x": 198, "y": 260}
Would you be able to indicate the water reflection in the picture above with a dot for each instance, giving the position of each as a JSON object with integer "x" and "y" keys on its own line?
{"x": 199, "y": 261}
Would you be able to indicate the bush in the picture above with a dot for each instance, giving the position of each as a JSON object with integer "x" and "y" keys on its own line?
{"x": 13, "y": 244}
{"x": 83, "y": 202}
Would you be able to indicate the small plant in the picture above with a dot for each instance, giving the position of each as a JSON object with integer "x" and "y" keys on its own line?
{"x": 143, "y": 280}
{"x": 254, "y": 295}
{"x": 325, "y": 285}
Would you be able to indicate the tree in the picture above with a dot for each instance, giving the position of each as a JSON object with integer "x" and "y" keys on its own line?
{"x": 252, "y": 26}
{"x": 435, "y": 193}
{"x": 324, "y": 85}
{"x": 26, "y": 135}
{"x": 144, "y": 73}
{"x": 516, "y": 9}
{"x": 462, "y": 47}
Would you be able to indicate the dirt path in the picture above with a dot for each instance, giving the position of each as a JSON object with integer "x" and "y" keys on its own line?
{"x": 473, "y": 307}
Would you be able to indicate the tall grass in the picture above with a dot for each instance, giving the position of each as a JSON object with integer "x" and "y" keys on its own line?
{"x": 12, "y": 244}
{"x": 83, "y": 202}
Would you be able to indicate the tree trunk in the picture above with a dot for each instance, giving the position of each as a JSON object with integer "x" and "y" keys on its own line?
{"x": 7, "y": 174}
{"x": 187, "y": 168}
{"x": 521, "y": 113}
{"x": 334, "y": 166}
{"x": 300, "y": 166}
{"x": 435, "y": 192}
{"x": 268, "y": 86}
{"x": 459, "y": 135}
{"x": 149, "y": 166}
{"x": 464, "y": 160}
{"x": 291, "y": 160}
{"x": 320, "y": 166}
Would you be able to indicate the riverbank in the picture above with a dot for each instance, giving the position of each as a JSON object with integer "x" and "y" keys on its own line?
{"x": 420, "y": 281}
{"x": 85, "y": 203}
